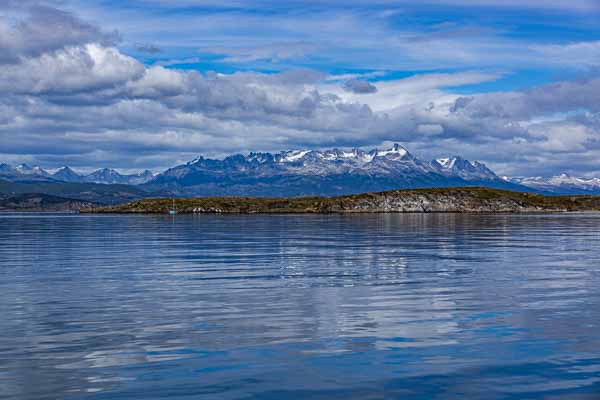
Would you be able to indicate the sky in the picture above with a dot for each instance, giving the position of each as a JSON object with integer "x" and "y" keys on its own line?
{"x": 154, "y": 83}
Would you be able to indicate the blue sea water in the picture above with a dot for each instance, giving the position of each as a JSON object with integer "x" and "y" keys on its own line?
{"x": 384, "y": 306}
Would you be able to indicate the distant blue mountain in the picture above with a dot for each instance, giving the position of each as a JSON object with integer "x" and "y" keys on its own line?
{"x": 66, "y": 174}
{"x": 561, "y": 184}
{"x": 108, "y": 176}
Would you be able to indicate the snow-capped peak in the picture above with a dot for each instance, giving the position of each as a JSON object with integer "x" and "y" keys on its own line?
{"x": 24, "y": 168}
{"x": 65, "y": 171}
{"x": 28, "y": 170}
{"x": 569, "y": 179}
{"x": 396, "y": 150}
{"x": 563, "y": 183}
{"x": 353, "y": 155}
{"x": 67, "y": 174}
{"x": 469, "y": 170}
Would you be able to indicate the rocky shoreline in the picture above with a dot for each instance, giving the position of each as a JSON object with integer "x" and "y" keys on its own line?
{"x": 449, "y": 200}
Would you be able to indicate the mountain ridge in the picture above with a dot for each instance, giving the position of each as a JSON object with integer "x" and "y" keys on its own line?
{"x": 561, "y": 184}
{"x": 321, "y": 172}
{"x": 309, "y": 172}
{"x": 24, "y": 172}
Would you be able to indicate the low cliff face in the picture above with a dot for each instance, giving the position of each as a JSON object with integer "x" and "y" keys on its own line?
{"x": 473, "y": 200}
{"x": 454, "y": 201}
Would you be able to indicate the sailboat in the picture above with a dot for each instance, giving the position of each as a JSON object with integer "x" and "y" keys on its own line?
{"x": 173, "y": 210}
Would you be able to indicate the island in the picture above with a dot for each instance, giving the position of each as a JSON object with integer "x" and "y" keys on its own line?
{"x": 433, "y": 200}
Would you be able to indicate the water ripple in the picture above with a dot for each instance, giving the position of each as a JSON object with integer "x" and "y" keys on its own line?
{"x": 273, "y": 306}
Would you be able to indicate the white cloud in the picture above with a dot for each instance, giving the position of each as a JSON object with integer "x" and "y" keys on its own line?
{"x": 579, "y": 55}
{"x": 273, "y": 52}
{"x": 415, "y": 91}
{"x": 119, "y": 109}
{"x": 269, "y": 34}
{"x": 72, "y": 69}
{"x": 78, "y": 97}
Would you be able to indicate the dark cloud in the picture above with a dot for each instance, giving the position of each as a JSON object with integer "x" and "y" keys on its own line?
{"x": 552, "y": 98}
{"x": 359, "y": 87}
{"x": 42, "y": 29}
{"x": 148, "y": 48}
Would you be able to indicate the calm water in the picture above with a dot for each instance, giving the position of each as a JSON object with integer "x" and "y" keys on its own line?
{"x": 300, "y": 307}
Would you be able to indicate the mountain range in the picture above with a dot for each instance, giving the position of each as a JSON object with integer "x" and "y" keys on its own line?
{"x": 328, "y": 173}
{"x": 302, "y": 173}
{"x": 560, "y": 184}
{"x": 24, "y": 172}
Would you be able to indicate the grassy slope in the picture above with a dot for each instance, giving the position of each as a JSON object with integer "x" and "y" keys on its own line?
{"x": 470, "y": 196}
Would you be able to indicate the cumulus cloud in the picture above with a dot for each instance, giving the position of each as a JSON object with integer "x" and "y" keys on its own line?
{"x": 70, "y": 70}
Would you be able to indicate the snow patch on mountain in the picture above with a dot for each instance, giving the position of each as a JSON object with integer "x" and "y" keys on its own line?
{"x": 293, "y": 156}
{"x": 397, "y": 151}
{"x": 446, "y": 163}
{"x": 28, "y": 170}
